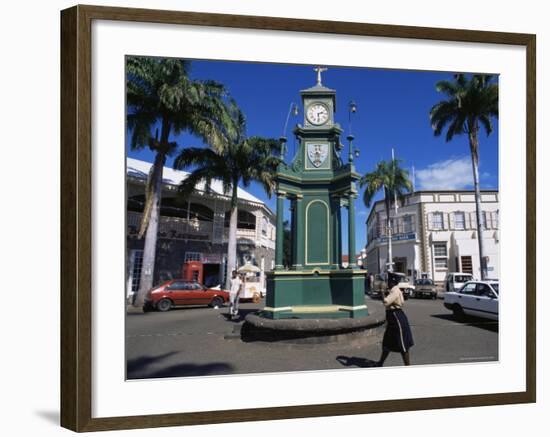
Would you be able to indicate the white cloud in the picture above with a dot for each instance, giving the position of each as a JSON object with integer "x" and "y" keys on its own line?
{"x": 451, "y": 174}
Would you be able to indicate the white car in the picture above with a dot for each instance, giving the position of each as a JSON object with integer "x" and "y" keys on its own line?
{"x": 475, "y": 298}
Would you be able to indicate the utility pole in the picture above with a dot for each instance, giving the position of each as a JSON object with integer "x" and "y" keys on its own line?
{"x": 389, "y": 220}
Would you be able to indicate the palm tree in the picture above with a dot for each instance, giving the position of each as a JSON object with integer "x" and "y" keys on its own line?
{"x": 161, "y": 96}
{"x": 471, "y": 102}
{"x": 394, "y": 181}
{"x": 240, "y": 161}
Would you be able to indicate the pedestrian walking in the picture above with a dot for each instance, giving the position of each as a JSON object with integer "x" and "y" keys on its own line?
{"x": 398, "y": 336}
{"x": 234, "y": 292}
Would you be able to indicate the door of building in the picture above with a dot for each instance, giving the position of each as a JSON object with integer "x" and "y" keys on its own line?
{"x": 400, "y": 265}
{"x": 136, "y": 262}
{"x": 466, "y": 262}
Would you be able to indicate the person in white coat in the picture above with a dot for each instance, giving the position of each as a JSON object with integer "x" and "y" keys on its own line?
{"x": 234, "y": 292}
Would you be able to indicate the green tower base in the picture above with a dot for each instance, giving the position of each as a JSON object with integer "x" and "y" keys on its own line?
{"x": 317, "y": 294}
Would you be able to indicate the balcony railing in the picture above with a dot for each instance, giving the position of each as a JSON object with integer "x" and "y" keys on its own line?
{"x": 177, "y": 228}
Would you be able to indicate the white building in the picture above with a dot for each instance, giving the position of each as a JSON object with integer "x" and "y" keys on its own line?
{"x": 435, "y": 232}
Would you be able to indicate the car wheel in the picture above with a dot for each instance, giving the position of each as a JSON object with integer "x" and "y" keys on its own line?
{"x": 434, "y": 296}
{"x": 411, "y": 294}
{"x": 216, "y": 302}
{"x": 458, "y": 312}
{"x": 164, "y": 305}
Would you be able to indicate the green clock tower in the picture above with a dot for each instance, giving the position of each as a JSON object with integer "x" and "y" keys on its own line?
{"x": 318, "y": 185}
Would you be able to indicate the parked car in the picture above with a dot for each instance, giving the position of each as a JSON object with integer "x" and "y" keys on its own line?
{"x": 381, "y": 285}
{"x": 179, "y": 292}
{"x": 424, "y": 288}
{"x": 455, "y": 280}
{"x": 475, "y": 298}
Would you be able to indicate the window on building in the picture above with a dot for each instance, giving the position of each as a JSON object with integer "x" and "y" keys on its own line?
{"x": 265, "y": 225}
{"x": 408, "y": 224}
{"x": 440, "y": 256}
{"x": 460, "y": 220}
{"x": 440, "y": 249}
{"x": 381, "y": 229}
{"x": 245, "y": 219}
{"x": 193, "y": 256}
{"x": 483, "y": 219}
{"x": 437, "y": 220}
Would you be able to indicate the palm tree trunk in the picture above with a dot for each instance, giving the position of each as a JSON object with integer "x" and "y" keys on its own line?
{"x": 475, "y": 168}
{"x": 150, "y": 248}
{"x": 232, "y": 243}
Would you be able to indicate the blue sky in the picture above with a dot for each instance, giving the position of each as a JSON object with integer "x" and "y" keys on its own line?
{"x": 392, "y": 111}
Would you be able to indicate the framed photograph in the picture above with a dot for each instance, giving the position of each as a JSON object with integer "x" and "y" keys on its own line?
{"x": 257, "y": 211}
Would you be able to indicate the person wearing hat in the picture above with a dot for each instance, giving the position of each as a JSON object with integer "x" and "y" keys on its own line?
{"x": 398, "y": 336}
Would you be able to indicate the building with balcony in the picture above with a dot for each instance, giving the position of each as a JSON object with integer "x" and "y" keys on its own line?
{"x": 195, "y": 228}
{"x": 435, "y": 232}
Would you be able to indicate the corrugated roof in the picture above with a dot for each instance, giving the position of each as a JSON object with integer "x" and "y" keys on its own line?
{"x": 140, "y": 169}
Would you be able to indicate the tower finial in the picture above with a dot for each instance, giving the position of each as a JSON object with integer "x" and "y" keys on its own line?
{"x": 319, "y": 70}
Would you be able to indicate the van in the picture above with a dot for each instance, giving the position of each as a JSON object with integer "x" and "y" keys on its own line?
{"x": 455, "y": 280}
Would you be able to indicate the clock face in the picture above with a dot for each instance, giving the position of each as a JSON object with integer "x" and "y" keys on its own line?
{"x": 317, "y": 114}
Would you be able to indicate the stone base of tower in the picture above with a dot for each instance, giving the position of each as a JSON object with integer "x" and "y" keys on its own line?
{"x": 361, "y": 331}
{"x": 317, "y": 294}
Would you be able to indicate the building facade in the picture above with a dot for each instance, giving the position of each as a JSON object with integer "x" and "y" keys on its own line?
{"x": 195, "y": 228}
{"x": 435, "y": 232}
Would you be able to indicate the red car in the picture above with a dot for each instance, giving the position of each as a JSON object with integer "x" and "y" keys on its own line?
{"x": 178, "y": 292}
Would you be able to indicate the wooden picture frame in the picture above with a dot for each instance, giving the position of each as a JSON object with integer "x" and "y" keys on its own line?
{"x": 76, "y": 217}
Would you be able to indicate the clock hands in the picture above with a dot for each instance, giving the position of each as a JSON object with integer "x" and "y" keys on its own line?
{"x": 317, "y": 114}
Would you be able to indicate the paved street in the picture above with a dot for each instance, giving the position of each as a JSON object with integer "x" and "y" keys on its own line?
{"x": 201, "y": 341}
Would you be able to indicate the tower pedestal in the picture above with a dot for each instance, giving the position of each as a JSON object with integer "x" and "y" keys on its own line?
{"x": 315, "y": 294}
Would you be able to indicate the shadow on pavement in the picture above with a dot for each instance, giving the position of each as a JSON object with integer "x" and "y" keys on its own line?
{"x": 355, "y": 361}
{"x": 137, "y": 364}
{"x": 137, "y": 368}
{"x": 489, "y": 325}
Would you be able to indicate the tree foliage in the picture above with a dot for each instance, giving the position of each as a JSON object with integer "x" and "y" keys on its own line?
{"x": 470, "y": 102}
{"x": 163, "y": 101}
{"x": 389, "y": 177}
{"x": 240, "y": 161}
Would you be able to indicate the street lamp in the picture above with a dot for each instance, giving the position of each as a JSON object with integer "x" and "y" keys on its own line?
{"x": 292, "y": 109}
{"x": 352, "y": 109}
